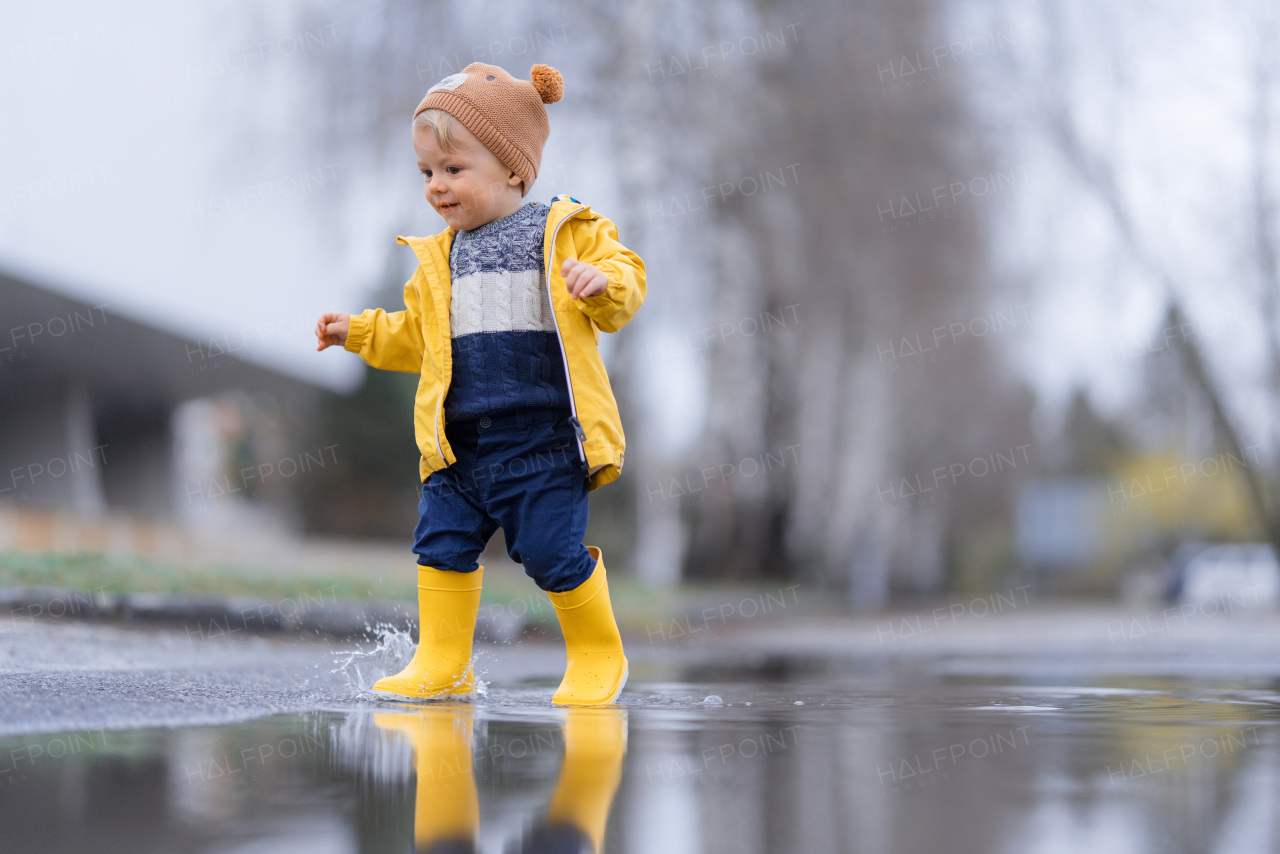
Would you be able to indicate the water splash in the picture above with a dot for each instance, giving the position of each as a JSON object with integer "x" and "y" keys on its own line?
{"x": 391, "y": 653}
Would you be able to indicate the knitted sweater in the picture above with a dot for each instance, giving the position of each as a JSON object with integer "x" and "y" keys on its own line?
{"x": 506, "y": 355}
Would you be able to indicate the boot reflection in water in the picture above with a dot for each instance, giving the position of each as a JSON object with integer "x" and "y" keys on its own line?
{"x": 595, "y": 742}
{"x": 446, "y": 813}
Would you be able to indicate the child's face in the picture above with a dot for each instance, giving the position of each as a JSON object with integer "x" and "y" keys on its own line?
{"x": 468, "y": 186}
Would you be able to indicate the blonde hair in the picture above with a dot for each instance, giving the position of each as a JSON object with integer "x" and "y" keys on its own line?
{"x": 442, "y": 126}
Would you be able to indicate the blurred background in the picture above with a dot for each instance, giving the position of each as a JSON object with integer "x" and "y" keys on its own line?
{"x": 946, "y": 297}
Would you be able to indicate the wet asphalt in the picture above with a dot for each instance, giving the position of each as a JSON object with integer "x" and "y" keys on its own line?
{"x": 1046, "y": 729}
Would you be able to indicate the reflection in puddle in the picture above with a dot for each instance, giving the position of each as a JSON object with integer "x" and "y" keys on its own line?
{"x": 810, "y": 756}
{"x": 447, "y": 805}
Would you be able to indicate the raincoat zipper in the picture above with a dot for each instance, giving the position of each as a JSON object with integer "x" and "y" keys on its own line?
{"x": 578, "y": 433}
{"x": 443, "y": 391}
{"x": 440, "y": 403}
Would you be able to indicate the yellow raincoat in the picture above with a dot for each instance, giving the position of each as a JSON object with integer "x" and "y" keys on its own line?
{"x": 417, "y": 340}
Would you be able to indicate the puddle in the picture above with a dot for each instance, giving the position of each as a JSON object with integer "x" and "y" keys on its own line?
{"x": 781, "y": 755}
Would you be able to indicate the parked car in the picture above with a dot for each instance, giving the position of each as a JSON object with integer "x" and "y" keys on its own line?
{"x": 1234, "y": 574}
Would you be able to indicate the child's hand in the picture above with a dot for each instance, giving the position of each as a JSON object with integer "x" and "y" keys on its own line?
{"x": 582, "y": 279}
{"x": 332, "y": 328}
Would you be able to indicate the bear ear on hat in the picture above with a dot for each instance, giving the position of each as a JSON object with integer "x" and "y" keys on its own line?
{"x": 548, "y": 82}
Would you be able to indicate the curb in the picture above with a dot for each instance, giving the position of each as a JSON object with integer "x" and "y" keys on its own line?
{"x": 212, "y": 616}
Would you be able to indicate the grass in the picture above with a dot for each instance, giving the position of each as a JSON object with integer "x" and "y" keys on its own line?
{"x": 98, "y": 572}
{"x": 639, "y": 608}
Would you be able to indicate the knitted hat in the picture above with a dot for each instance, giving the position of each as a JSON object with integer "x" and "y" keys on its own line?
{"x": 504, "y": 113}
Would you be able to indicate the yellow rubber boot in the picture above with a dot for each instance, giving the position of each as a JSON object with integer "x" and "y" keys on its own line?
{"x": 448, "y": 603}
{"x": 597, "y": 668}
{"x": 447, "y": 807}
{"x": 595, "y": 741}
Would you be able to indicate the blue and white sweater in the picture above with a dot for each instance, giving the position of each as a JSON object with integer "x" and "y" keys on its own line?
{"x": 506, "y": 355}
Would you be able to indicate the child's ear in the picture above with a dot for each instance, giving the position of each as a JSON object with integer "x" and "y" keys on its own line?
{"x": 513, "y": 179}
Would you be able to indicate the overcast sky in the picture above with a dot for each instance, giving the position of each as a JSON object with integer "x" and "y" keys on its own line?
{"x": 124, "y": 180}
{"x": 115, "y": 187}
{"x": 1162, "y": 97}
{"x": 127, "y": 181}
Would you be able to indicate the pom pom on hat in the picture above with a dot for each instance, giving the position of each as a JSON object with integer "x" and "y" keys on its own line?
{"x": 548, "y": 82}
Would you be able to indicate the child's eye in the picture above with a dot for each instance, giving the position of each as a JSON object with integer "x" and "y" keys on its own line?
{"x": 426, "y": 173}
{"x": 452, "y": 170}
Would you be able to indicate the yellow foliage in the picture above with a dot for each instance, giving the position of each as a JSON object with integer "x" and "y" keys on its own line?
{"x": 1164, "y": 496}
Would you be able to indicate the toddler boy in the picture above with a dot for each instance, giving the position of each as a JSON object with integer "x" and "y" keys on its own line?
{"x": 514, "y": 414}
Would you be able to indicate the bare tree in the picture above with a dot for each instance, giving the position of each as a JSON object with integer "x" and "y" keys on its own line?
{"x": 755, "y": 148}
{"x": 1052, "y": 73}
{"x": 806, "y": 422}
